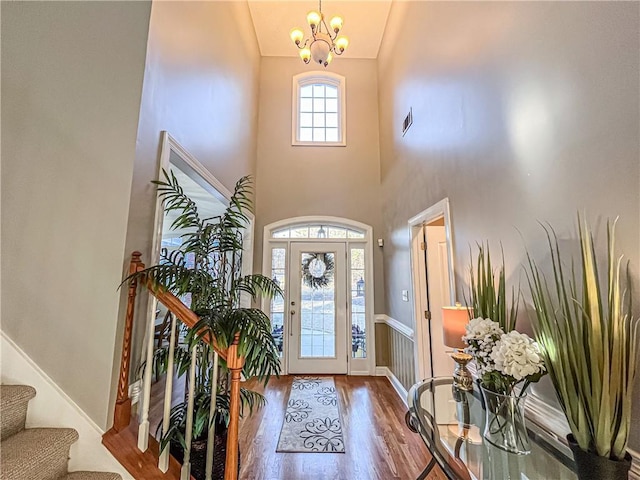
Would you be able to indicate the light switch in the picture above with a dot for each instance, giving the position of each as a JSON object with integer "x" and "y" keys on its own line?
{"x": 405, "y": 295}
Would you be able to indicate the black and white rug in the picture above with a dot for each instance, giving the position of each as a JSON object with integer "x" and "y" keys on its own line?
{"x": 312, "y": 420}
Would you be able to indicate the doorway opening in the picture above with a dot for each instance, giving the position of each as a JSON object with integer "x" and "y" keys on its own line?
{"x": 324, "y": 322}
{"x": 434, "y": 287}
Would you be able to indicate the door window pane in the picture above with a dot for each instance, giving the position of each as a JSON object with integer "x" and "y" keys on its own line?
{"x": 317, "y": 305}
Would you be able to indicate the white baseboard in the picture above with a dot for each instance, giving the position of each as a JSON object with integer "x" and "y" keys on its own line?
{"x": 52, "y": 407}
{"x": 395, "y": 383}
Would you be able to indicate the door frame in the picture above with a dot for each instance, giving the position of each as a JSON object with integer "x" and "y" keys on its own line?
{"x": 419, "y": 282}
{"x": 355, "y": 366}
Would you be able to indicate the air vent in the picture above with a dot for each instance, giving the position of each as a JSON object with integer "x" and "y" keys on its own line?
{"x": 407, "y": 122}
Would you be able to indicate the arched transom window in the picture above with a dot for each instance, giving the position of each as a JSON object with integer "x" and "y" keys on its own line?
{"x": 317, "y": 231}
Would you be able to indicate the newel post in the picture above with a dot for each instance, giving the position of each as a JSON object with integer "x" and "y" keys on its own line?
{"x": 122, "y": 412}
{"x": 235, "y": 363}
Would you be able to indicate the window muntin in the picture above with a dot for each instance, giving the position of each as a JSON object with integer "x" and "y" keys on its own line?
{"x": 318, "y": 117}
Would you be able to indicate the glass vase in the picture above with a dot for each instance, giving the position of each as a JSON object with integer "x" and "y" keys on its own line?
{"x": 504, "y": 421}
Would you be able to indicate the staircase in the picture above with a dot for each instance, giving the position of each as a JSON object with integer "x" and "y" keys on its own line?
{"x": 35, "y": 453}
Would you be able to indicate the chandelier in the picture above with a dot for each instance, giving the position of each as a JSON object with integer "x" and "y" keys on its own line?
{"x": 323, "y": 42}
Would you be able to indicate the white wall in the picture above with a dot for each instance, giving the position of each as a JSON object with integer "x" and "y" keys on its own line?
{"x": 200, "y": 85}
{"x": 304, "y": 180}
{"x": 523, "y": 111}
{"x": 71, "y": 84}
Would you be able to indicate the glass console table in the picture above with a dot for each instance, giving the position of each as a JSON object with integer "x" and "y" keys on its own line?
{"x": 451, "y": 421}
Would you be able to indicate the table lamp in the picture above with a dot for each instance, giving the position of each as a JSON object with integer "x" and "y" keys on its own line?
{"x": 454, "y": 321}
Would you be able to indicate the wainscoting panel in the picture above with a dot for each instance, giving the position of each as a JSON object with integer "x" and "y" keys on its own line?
{"x": 401, "y": 358}
{"x": 395, "y": 349}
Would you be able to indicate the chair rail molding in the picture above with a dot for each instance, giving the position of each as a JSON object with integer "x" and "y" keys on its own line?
{"x": 396, "y": 325}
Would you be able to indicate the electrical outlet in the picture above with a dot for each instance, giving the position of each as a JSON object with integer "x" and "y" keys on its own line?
{"x": 405, "y": 295}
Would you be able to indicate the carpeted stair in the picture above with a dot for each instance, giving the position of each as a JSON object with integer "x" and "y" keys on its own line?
{"x": 34, "y": 453}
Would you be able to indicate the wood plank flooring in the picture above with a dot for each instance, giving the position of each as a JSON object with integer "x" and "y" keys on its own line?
{"x": 378, "y": 444}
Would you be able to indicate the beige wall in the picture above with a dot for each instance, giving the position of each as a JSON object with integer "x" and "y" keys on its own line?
{"x": 303, "y": 180}
{"x": 71, "y": 83}
{"x": 522, "y": 112}
{"x": 200, "y": 85}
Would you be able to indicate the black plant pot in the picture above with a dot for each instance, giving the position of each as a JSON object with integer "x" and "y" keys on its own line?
{"x": 593, "y": 467}
{"x": 198, "y": 457}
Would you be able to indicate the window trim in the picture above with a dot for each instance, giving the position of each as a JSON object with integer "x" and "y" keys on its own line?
{"x": 309, "y": 78}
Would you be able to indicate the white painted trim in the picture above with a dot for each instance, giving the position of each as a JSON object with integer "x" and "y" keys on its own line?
{"x": 422, "y": 345}
{"x": 395, "y": 383}
{"x": 318, "y": 76}
{"x": 396, "y": 325}
{"x": 634, "y": 474}
{"x": 268, "y": 243}
{"x": 52, "y": 407}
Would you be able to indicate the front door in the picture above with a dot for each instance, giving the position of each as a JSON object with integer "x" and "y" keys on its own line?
{"x": 318, "y": 308}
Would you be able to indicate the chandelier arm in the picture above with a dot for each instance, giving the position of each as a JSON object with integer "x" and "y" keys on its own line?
{"x": 302, "y": 45}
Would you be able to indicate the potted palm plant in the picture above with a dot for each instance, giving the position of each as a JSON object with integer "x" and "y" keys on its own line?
{"x": 205, "y": 271}
{"x": 590, "y": 343}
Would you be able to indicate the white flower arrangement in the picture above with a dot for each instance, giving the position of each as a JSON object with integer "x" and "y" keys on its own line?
{"x": 503, "y": 359}
{"x": 481, "y": 336}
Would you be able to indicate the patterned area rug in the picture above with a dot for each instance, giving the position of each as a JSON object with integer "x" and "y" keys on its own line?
{"x": 312, "y": 420}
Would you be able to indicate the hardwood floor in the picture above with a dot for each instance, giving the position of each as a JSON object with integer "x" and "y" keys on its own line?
{"x": 378, "y": 444}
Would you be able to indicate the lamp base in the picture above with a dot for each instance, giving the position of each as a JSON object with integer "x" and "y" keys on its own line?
{"x": 462, "y": 378}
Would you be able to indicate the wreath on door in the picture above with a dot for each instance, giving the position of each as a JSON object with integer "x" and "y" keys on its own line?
{"x": 317, "y": 269}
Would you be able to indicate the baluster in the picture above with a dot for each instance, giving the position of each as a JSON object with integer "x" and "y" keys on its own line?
{"x": 122, "y": 411}
{"x": 212, "y": 412}
{"x": 163, "y": 461}
{"x": 234, "y": 362}
{"x": 145, "y": 403}
{"x": 185, "y": 472}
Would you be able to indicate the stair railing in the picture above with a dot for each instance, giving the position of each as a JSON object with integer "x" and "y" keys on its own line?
{"x": 235, "y": 363}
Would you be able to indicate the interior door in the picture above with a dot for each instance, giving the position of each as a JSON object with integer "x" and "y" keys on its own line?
{"x": 438, "y": 287}
{"x": 318, "y": 308}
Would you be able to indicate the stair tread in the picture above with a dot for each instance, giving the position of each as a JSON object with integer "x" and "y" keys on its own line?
{"x": 91, "y": 476}
{"x": 13, "y": 394}
{"x": 14, "y": 400}
{"x": 37, "y": 453}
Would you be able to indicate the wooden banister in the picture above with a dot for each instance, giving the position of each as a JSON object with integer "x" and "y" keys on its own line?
{"x": 235, "y": 363}
{"x": 122, "y": 411}
{"x": 180, "y": 310}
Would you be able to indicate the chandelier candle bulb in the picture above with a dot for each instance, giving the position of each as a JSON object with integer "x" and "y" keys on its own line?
{"x": 296, "y": 35}
{"x": 342, "y": 43}
{"x": 336, "y": 24}
{"x": 314, "y": 19}
{"x": 305, "y": 55}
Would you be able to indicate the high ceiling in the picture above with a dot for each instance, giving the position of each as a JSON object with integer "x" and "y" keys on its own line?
{"x": 364, "y": 23}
